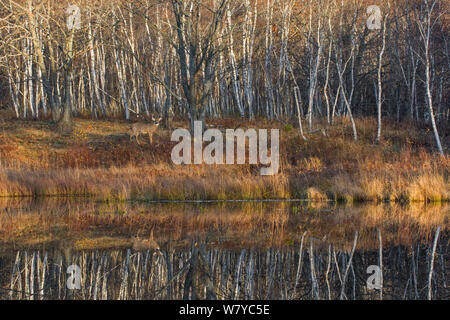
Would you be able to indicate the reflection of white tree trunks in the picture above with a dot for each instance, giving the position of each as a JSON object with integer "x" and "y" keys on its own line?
{"x": 237, "y": 277}
{"x": 315, "y": 284}
{"x": 250, "y": 281}
{"x": 32, "y": 275}
{"x": 344, "y": 279}
{"x": 430, "y": 275}
{"x": 123, "y": 293}
{"x": 299, "y": 265}
{"x": 380, "y": 264}
{"x": 204, "y": 271}
{"x": 327, "y": 280}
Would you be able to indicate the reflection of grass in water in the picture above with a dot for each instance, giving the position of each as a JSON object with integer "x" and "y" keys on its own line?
{"x": 399, "y": 224}
{"x": 99, "y": 243}
{"x": 93, "y": 224}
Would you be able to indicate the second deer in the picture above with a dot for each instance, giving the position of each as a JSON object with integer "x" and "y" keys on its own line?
{"x": 144, "y": 128}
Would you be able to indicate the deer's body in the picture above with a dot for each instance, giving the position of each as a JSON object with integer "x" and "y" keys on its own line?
{"x": 144, "y": 128}
{"x": 145, "y": 244}
{"x": 142, "y": 244}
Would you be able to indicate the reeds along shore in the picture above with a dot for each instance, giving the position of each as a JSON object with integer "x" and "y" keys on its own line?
{"x": 99, "y": 161}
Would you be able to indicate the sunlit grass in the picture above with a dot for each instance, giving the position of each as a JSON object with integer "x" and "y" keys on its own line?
{"x": 99, "y": 161}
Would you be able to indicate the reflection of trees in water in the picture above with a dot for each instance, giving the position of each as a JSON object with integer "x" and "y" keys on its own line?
{"x": 312, "y": 270}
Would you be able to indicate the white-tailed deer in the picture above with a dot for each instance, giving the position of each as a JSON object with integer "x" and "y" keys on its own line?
{"x": 144, "y": 128}
{"x": 142, "y": 244}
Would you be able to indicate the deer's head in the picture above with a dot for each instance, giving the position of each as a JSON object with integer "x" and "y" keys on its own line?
{"x": 157, "y": 121}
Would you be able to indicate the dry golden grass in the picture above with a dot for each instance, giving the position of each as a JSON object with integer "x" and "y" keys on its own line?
{"x": 428, "y": 187}
{"x": 98, "y": 160}
{"x": 99, "y": 243}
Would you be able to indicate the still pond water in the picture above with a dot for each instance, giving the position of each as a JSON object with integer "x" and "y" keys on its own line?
{"x": 83, "y": 249}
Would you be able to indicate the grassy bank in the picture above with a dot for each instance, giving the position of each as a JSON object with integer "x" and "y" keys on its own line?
{"x": 98, "y": 160}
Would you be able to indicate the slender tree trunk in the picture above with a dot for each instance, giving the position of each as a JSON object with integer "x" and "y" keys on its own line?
{"x": 379, "y": 78}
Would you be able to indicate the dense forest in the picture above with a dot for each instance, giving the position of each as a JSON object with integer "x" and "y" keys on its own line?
{"x": 197, "y": 59}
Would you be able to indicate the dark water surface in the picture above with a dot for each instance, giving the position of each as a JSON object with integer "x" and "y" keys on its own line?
{"x": 233, "y": 250}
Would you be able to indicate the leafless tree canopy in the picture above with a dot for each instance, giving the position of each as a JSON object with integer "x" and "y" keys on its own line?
{"x": 215, "y": 58}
